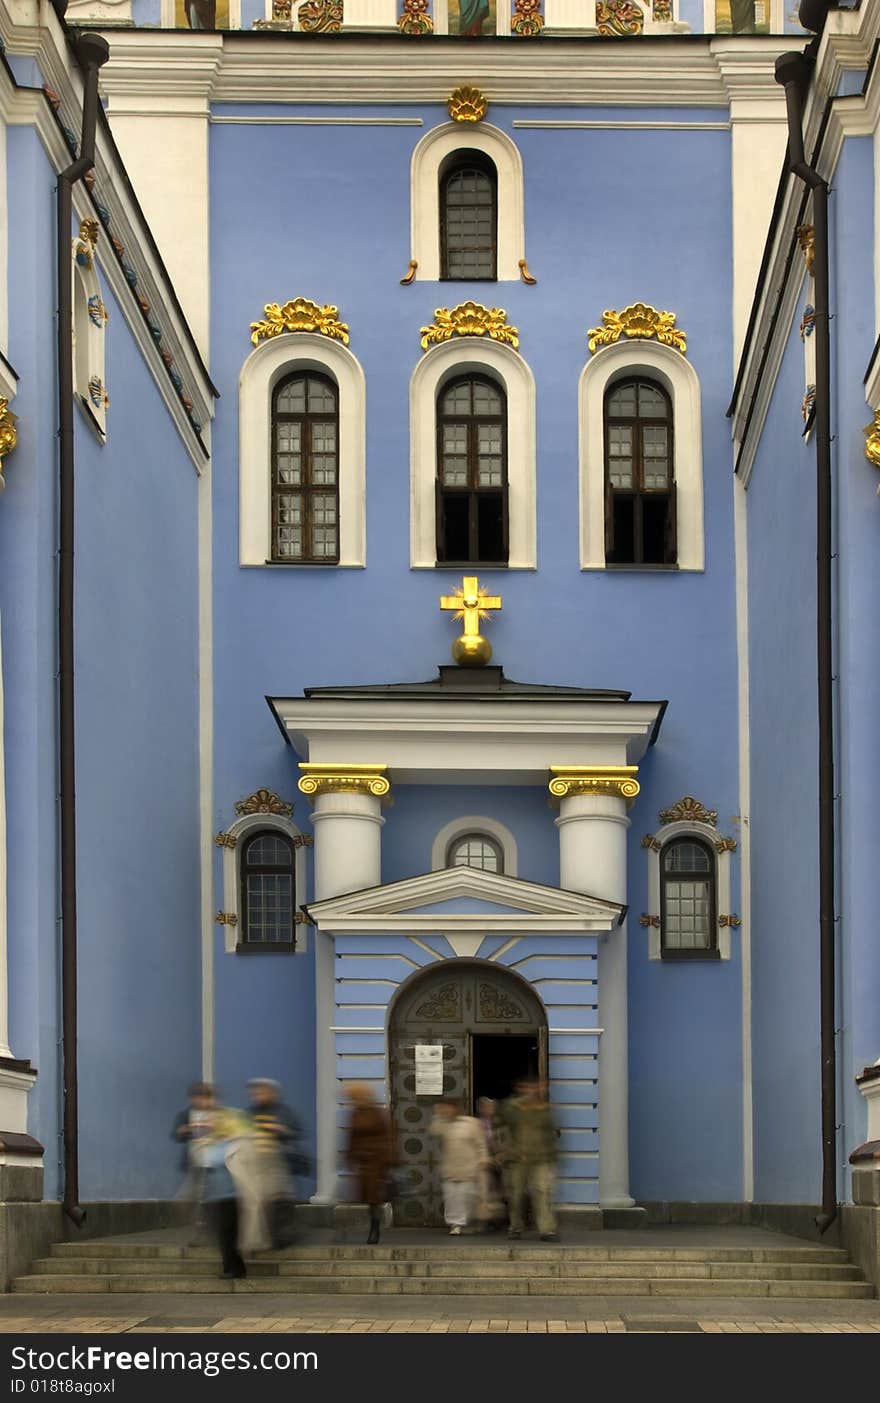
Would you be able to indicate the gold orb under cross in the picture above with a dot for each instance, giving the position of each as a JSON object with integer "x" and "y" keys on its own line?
{"x": 471, "y": 605}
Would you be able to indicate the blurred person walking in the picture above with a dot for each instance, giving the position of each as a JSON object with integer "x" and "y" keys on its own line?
{"x": 190, "y": 1126}
{"x": 464, "y": 1157}
{"x": 490, "y": 1209}
{"x": 232, "y": 1188}
{"x": 278, "y": 1138}
{"x": 531, "y": 1153}
{"x": 370, "y": 1152}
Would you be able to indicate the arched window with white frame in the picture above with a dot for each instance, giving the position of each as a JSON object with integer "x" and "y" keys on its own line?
{"x": 488, "y": 174}
{"x": 264, "y": 886}
{"x": 302, "y": 454}
{"x": 478, "y": 850}
{"x": 475, "y": 840}
{"x": 640, "y": 459}
{"x": 493, "y": 470}
{"x": 689, "y": 887}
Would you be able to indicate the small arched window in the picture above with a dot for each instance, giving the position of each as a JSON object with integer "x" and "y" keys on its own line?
{"x": 688, "y": 920}
{"x": 305, "y": 469}
{"x": 472, "y": 505}
{"x": 468, "y": 217}
{"x": 268, "y": 905}
{"x": 640, "y": 510}
{"x": 475, "y": 850}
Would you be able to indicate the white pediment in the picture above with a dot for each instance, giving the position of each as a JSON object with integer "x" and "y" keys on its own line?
{"x": 461, "y": 899}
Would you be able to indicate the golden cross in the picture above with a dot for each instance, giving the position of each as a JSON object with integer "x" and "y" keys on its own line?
{"x": 471, "y": 605}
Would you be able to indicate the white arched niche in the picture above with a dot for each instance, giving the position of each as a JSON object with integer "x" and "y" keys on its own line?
{"x": 475, "y": 823}
{"x": 428, "y": 157}
{"x": 677, "y": 375}
{"x": 461, "y": 355}
{"x": 264, "y": 367}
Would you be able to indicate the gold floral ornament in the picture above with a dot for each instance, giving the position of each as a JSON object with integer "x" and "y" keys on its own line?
{"x": 263, "y": 801}
{"x": 469, "y": 319}
{"x": 638, "y": 320}
{"x": 8, "y": 434}
{"x": 320, "y": 16}
{"x": 872, "y": 439}
{"x": 689, "y": 810}
{"x": 84, "y": 248}
{"x": 299, "y": 315}
{"x": 806, "y": 237}
{"x": 414, "y": 18}
{"x": 527, "y": 19}
{"x": 619, "y": 17}
{"x": 467, "y": 105}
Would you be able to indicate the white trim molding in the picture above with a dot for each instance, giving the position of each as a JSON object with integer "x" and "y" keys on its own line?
{"x": 232, "y": 873}
{"x": 670, "y": 367}
{"x": 427, "y": 158}
{"x": 89, "y": 337}
{"x": 457, "y": 357}
{"x": 475, "y": 823}
{"x": 684, "y": 828}
{"x": 260, "y": 374}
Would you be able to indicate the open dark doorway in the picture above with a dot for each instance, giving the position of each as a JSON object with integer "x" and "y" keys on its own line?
{"x": 499, "y": 1061}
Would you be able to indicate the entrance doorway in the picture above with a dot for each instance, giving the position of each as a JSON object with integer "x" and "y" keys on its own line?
{"x": 493, "y": 1031}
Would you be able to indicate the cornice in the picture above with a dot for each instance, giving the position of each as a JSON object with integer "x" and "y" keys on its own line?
{"x": 245, "y": 67}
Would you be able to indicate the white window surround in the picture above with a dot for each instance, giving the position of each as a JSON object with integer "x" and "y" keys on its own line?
{"x": 89, "y": 344}
{"x": 264, "y": 367}
{"x": 232, "y": 874}
{"x": 427, "y": 158}
{"x": 689, "y": 828}
{"x": 476, "y": 823}
{"x": 460, "y": 356}
{"x": 677, "y": 375}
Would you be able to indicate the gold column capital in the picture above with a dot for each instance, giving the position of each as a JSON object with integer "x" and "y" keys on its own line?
{"x": 317, "y": 779}
{"x": 616, "y": 781}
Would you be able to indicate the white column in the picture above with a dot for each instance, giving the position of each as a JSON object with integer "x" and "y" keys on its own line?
{"x": 348, "y": 856}
{"x": 592, "y": 859}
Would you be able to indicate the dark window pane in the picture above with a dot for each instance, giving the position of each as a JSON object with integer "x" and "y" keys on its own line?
{"x": 456, "y": 518}
{"x": 654, "y": 528}
{"x": 490, "y": 526}
{"x": 468, "y": 219}
{"x": 624, "y": 535}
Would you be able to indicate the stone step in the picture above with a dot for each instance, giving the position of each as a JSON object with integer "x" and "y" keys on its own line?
{"x": 446, "y": 1251}
{"x": 148, "y": 1267}
{"x": 448, "y": 1286}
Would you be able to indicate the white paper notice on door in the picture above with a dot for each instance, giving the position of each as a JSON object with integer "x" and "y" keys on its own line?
{"x": 429, "y": 1069}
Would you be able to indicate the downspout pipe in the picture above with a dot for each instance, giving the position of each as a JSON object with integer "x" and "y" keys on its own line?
{"x": 793, "y": 73}
{"x": 92, "y": 51}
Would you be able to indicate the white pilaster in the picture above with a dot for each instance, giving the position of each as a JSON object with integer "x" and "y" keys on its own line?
{"x": 348, "y": 857}
{"x": 4, "y": 979}
{"x": 592, "y": 859}
{"x": 870, "y": 1089}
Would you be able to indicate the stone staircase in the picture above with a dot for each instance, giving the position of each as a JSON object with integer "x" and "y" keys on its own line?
{"x": 465, "y": 1269}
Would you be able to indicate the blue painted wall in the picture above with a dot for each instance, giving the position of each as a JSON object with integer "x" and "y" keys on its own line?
{"x": 136, "y": 734}
{"x": 784, "y": 835}
{"x": 277, "y": 630}
{"x": 858, "y": 567}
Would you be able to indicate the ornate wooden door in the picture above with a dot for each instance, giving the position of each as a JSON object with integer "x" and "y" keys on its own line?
{"x": 445, "y": 1005}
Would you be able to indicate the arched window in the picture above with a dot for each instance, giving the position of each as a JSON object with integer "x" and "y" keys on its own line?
{"x": 640, "y": 511}
{"x": 468, "y": 217}
{"x": 305, "y": 469}
{"x": 688, "y": 921}
{"x": 472, "y": 508}
{"x": 475, "y": 850}
{"x": 268, "y": 916}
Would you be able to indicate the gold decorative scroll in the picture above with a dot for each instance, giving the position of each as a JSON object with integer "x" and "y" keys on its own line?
{"x": 467, "y": 105}
{"x": 8, "y": 429}
{"x": 638, "y": 320}
{"x": 84, "y": 249}
{"x": 725, "y": 845}
{"x": 525, "y": 274}
{"x": 225, "y": 840}
{"x": 299, "y": 315}
{"x": 689, "y": 810}
{"x": 226, "y": 918}
{"x": 469, "y": 319}
{"x": 317, "y": 779}
{"x": 650, "y": 842}
{"x": 872, "y": 439}
{"x": 646, "y": 920}
{"x": 263, "y": 801}
{"x": 615, "y": 781}
{"x": 731, "y": 920}
{"x": 806, "y": 237}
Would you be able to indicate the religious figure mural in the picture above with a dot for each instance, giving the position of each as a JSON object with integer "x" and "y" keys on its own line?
{"x": 742, "y": 16}
{"x": 472, "y": 17}
{"x": 201, "y": 14}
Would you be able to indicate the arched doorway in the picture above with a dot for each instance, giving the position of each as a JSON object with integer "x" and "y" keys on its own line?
{"x": 493, "y": 1030}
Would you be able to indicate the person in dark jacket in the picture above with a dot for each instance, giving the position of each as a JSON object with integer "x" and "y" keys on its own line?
{"x": 193, "y": 1123}
{"x": 370, "y": 1151}
{"x": 279, "y": 1135}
